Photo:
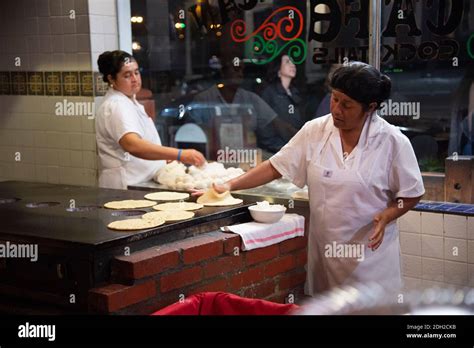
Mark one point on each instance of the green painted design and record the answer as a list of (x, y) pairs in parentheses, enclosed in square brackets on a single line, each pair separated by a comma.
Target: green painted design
[(297, 50), (469, 46)]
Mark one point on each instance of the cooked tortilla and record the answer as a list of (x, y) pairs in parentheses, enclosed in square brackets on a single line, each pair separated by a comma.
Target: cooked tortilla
[(135, 224), (167, 196), (178, 206), (169, 215), (129, 204)]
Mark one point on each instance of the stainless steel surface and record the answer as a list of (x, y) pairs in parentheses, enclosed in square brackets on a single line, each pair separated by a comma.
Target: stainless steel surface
[(375, 31), (281, 189)]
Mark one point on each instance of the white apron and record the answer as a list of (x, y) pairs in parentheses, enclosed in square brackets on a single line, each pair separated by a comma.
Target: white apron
[(342, 210)]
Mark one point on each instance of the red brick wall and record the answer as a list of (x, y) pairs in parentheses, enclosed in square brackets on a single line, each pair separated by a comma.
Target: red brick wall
[(154, 278)]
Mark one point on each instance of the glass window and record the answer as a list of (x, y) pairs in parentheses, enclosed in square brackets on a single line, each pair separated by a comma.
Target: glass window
[(427, 52), (248, 74)]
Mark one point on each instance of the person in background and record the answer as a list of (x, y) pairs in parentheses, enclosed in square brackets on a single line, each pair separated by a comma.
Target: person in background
[(362, 175), (129, 147), (227, 95), (285, 100), (461, 138)]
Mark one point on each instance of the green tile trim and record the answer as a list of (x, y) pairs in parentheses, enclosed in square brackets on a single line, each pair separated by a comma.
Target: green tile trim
[(70, 82), (5, 85), (19, 85), (87, 83), (35, 83), (52, 83)]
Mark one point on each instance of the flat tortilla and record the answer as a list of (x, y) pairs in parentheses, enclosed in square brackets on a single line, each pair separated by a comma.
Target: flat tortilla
[(213, 199), (129, 204), (178, 206), (169, 215), (135, 224), (167, 196)]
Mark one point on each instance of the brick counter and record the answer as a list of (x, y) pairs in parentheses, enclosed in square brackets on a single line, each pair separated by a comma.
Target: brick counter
[(154, 278)]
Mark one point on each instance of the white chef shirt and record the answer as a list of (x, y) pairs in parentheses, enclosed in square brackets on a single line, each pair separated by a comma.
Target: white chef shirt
[(117, 116), (388, 163)]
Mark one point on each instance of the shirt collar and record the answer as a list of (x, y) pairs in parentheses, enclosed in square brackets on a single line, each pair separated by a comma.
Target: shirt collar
[(111, 91), (371, 129)]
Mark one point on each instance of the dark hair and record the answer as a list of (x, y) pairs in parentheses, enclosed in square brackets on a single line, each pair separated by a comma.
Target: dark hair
[(274, 67), (110, 63), (362, 82)]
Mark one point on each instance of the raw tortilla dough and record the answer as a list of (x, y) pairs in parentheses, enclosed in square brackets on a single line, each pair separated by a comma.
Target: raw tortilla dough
[(167, 196), (169, 215), (213, 199), (129, 204), (178, 206), (135, 224), (301, 194)]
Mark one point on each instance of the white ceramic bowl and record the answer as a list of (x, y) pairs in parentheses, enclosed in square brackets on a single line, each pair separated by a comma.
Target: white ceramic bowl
[(266, 216)]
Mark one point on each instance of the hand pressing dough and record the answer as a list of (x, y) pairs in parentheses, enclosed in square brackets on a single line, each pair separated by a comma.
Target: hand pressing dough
[(129, 204), (213, 199), (178, 206), (135, 224), (169, 215), (167, 196)]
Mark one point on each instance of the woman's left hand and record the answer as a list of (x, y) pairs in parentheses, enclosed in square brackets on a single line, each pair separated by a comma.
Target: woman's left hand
[(379, 230)]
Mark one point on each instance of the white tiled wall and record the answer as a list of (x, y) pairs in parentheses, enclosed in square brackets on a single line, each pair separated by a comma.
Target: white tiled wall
[(437, 249), (53, 149), (103, 28), (51, 35)]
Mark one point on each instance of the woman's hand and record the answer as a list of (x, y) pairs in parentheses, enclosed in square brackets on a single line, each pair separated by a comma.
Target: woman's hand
[(379, 230), (193, 157), (221, 188)]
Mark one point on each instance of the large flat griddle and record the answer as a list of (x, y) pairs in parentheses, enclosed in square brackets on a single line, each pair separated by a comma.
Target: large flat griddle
[(85, 222), (74, 244)]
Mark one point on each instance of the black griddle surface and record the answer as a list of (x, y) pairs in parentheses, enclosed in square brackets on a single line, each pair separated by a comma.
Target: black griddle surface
[(86, 228)]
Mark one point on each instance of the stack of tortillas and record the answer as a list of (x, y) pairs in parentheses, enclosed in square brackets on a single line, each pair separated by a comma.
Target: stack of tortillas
[(167, 196), (129, 204), (213, 199)]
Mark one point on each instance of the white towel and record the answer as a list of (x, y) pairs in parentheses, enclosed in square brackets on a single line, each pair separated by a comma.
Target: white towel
[(257, 235)]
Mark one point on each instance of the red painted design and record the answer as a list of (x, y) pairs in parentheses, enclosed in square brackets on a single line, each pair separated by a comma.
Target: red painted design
[(285, 26)]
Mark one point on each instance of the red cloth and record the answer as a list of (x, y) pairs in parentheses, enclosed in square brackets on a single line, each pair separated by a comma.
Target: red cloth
[(220, 303)]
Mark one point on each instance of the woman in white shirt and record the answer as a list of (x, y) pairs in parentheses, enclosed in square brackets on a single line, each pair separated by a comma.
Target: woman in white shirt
[(362, 175), (129, 146)]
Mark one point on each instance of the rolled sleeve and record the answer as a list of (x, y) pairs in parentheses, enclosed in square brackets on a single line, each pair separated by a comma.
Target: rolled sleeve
[(405, 178), (123, 120)]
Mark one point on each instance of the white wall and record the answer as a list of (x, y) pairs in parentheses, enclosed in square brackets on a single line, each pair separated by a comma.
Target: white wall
[(437, 249), (54, 149)]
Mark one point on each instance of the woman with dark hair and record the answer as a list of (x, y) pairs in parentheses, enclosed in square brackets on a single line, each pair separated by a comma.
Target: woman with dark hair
[(129, 146), (285, 99), (362, 175)]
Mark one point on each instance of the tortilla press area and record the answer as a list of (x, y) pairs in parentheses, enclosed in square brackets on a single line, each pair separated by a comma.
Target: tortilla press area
[(84, 267)]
